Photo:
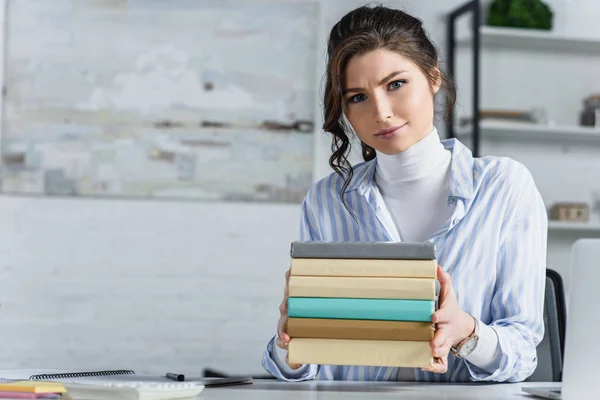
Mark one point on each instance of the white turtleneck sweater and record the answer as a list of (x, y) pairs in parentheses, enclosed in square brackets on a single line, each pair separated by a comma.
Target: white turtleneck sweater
[(415, 186)]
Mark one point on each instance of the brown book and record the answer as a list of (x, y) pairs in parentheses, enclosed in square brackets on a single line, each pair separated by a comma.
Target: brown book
[(364, 267), (374, 353), (321, 328), (362, 287)]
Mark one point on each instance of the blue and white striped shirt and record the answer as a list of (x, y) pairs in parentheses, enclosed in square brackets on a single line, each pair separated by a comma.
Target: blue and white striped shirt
[(494, 248)]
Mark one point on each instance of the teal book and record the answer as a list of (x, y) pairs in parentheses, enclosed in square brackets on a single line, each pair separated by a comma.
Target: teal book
[(366, 309)]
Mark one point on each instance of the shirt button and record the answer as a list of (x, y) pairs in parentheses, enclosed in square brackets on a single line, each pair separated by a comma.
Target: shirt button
[(451, 201), (455, 221)]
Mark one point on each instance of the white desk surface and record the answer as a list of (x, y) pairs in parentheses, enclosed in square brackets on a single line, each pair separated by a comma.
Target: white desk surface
[(330, 390)]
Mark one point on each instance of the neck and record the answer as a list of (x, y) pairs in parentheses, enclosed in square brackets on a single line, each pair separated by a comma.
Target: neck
[(415, 163)]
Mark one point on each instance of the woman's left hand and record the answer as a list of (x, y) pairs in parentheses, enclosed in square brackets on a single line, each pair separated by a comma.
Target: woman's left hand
[(453, 325)]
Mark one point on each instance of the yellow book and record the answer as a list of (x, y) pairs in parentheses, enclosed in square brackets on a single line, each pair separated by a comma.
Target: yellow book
[(364, 267), (375, 353), (33, 387), (362, 287)]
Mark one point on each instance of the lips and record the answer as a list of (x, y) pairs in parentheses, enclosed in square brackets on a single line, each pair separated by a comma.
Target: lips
[(388, 132)]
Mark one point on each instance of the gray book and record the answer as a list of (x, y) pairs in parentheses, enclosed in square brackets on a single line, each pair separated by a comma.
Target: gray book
[(365, 250)]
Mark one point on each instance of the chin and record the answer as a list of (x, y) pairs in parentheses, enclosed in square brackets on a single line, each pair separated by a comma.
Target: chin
[(394, 148)]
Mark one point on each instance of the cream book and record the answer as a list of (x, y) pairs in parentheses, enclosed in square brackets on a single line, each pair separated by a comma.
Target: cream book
[(375, 353), (362, 287), (364, 267)]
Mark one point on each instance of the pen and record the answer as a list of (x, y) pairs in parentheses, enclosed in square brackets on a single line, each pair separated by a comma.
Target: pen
[(175, 377)]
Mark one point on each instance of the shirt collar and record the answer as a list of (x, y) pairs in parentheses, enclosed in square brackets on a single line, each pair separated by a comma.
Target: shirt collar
[(461, 173)]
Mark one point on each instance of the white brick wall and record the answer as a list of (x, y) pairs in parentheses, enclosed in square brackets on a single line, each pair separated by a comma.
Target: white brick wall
[(140, 284)]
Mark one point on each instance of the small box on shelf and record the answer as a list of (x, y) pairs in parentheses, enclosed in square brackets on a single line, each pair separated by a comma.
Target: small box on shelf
[(573, 212)]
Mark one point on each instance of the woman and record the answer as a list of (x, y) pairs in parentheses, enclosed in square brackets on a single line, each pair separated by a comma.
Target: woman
[(485, 215)]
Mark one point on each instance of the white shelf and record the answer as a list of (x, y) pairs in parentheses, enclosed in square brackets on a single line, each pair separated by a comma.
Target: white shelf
[(531, 39), (574, 227), (526, 131)]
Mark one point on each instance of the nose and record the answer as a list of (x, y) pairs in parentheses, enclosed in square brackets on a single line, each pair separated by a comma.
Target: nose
[(382, 108)]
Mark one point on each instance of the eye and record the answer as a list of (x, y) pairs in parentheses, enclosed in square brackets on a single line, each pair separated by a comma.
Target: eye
[(357, 98), (396, 84)]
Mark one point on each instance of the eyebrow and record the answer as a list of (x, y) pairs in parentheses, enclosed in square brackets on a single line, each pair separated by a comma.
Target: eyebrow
[(381, 82)]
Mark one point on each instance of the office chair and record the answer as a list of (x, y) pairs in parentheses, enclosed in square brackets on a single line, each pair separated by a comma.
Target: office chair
[(551, 348)]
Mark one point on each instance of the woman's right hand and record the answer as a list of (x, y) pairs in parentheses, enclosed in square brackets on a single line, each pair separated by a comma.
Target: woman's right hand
[(282, 337)]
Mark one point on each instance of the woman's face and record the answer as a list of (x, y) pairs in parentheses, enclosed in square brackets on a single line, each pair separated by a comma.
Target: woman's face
[(388, 100)]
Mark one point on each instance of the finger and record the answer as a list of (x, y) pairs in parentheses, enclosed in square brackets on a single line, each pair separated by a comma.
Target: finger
[(440, 366), (439, 339), (282, 331), (441, 351), (443, 276), (284, 336), (283, 307), (445, 283), (279, 342), (287, 283), (441, 316)]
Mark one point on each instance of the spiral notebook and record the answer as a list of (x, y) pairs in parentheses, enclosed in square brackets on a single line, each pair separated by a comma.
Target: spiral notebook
[(52, 375)]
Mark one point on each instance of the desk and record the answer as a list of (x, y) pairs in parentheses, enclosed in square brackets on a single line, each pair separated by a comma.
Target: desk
[(334, 390)]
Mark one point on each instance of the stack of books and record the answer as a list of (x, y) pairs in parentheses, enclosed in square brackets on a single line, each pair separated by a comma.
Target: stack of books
[(362, 303)]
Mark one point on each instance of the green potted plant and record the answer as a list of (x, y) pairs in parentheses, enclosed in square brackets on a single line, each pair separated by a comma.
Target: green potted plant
[(532, 14)]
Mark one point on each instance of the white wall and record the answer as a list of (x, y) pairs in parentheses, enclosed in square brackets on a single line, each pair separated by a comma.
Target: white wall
[(158, 286), (140, 285)]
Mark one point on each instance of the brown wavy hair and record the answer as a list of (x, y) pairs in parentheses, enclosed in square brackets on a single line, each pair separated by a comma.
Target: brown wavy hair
[(360, 31)]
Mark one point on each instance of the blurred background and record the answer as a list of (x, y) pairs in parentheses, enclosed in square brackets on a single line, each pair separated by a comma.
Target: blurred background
[(155, 154)]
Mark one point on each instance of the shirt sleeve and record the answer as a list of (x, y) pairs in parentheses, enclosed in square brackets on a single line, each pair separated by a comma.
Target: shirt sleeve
[(273, 363), (273, 360), (518, 301), (279, 355), (487, 355)]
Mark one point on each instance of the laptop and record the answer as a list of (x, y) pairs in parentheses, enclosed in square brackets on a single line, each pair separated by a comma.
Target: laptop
[(581, 370)]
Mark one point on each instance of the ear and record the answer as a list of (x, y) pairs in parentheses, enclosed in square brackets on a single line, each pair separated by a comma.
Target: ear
[(437, 80)]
